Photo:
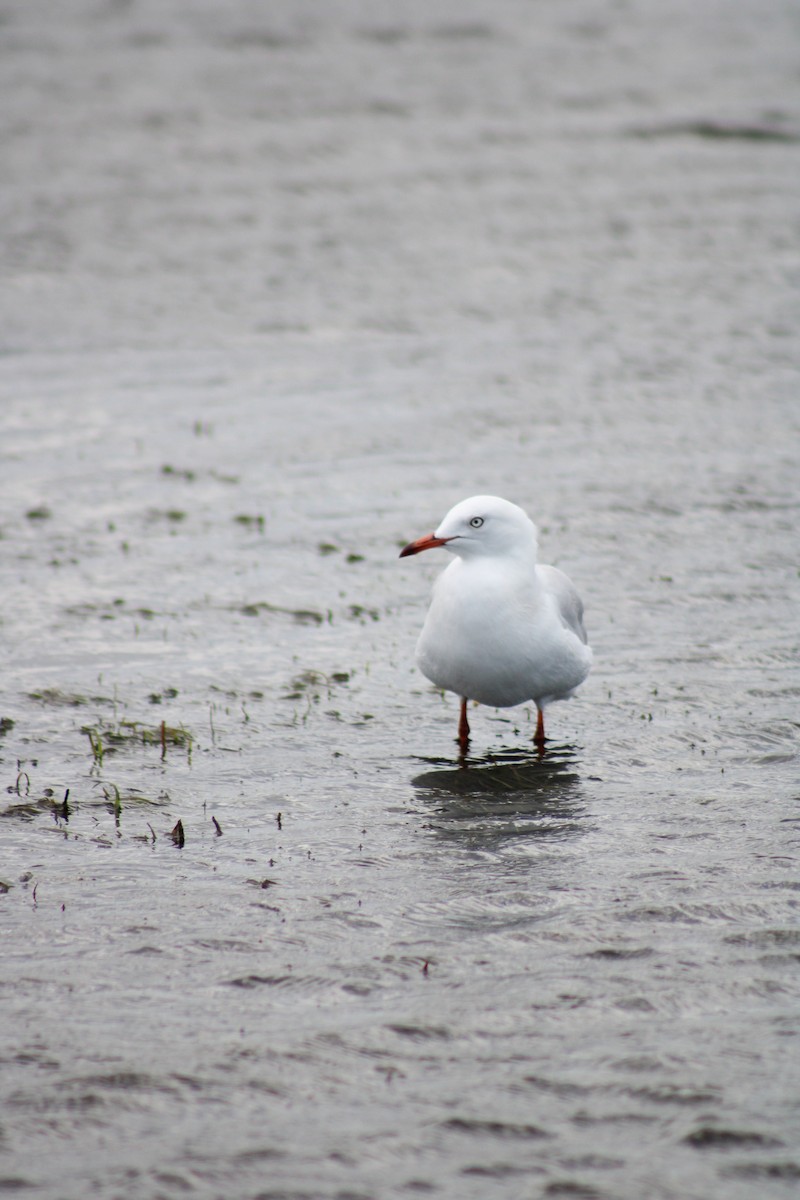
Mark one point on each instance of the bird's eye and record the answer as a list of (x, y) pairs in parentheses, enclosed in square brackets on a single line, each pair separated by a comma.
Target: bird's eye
[(476, 522)]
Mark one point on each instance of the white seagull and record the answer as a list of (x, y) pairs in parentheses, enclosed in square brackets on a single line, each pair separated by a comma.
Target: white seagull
[(501, 629)]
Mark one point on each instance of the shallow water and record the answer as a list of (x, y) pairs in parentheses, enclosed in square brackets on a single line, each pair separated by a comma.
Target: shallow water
[(281, 288)]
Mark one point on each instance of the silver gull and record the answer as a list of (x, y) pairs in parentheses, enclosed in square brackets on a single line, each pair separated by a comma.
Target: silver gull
[(501, 629)]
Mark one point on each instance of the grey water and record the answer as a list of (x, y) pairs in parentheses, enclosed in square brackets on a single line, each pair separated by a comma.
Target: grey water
[(281, 283)]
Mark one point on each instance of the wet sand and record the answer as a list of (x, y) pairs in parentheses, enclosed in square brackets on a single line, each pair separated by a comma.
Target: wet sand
[(281, 284)]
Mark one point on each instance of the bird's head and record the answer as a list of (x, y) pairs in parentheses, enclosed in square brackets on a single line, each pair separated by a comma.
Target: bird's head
[(483, 526)]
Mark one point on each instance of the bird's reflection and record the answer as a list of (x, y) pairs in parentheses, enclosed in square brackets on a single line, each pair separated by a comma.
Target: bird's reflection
[(505, 795)]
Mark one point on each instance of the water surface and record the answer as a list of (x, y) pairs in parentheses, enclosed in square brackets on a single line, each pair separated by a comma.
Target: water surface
[(280, 288)]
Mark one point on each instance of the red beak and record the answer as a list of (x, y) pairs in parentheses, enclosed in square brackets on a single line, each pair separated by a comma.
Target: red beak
[(429, 542)]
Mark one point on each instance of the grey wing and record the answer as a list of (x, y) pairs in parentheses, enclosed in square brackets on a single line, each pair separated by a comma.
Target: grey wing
[(568, 602)]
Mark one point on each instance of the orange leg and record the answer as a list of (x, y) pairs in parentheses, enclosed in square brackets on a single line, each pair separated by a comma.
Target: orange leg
[(463, 728), (538, 737)]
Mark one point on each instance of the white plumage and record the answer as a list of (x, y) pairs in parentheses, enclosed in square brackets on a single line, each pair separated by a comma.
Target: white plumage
[(501, 628)]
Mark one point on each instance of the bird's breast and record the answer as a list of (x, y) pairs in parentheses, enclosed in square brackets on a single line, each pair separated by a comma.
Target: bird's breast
[(482, 635)]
